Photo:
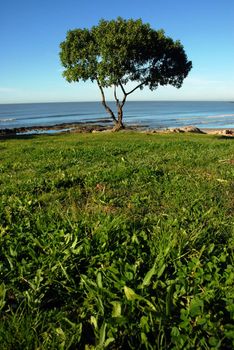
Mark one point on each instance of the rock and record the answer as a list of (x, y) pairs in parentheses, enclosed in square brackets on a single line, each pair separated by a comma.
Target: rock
[(102, 130), (226, 132), (177, 130), (149, 131), (107, 130), (7, 132), (192, 129)]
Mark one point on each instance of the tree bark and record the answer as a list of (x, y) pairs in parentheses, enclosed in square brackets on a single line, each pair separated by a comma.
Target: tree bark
[(108, 109), (119, 124)]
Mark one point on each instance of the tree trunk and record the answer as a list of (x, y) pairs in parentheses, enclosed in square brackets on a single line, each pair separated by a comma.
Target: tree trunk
[(107, 108), (119, 125)]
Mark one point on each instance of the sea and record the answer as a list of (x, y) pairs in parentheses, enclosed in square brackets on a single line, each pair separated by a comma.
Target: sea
[(148, 114)]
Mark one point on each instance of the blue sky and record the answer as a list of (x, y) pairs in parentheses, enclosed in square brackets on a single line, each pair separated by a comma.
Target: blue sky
[(31, 31)]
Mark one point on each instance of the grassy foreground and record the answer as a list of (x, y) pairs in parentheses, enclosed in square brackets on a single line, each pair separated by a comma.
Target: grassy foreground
[(121, 241)]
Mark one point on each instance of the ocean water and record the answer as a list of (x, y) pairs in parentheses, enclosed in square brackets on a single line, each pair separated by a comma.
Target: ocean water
[(151, 114)]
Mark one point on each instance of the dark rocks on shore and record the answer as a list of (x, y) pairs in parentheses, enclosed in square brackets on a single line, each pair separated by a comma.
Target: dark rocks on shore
[(177, 130), (65, 127), (96, 127), (226, 132), (192, 129), (7, 132)]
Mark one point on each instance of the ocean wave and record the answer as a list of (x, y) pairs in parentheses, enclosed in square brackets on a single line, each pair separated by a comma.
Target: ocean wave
[(56, 116), (220, 116), (216, 116), (7, 120)]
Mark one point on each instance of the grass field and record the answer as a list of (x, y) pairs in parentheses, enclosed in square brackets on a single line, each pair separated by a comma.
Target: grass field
[(116, 241)]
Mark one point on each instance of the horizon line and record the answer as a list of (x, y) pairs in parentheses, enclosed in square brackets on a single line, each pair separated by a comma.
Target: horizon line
[(99, 101)]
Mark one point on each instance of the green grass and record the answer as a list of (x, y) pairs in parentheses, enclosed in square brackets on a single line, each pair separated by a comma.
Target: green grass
[(121, 241)]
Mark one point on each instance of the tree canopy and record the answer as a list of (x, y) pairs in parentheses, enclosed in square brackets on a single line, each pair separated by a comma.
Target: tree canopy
[(120, 51)]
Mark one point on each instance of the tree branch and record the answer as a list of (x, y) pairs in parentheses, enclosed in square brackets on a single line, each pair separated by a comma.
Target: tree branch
[(115, 96), (123, 101), (122, 88), (104, 102), (124, 93), (138, 86)]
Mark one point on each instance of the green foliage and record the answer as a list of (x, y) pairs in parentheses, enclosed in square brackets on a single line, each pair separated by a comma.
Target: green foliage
[(116, 242), (119, 51)]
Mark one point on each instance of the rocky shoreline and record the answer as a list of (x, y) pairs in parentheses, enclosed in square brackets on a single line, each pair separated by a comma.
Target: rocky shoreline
[(57, 128), (96, 127), (195, 130)]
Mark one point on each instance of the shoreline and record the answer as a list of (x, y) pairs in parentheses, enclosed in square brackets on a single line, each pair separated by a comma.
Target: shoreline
[(106, 126)]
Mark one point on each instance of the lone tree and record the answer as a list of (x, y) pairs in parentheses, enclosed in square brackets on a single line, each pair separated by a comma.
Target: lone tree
[(120, 51)]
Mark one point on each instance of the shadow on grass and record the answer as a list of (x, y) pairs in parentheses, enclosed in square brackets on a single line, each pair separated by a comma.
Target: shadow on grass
[(17, 137), (225, 137), (27, 136)]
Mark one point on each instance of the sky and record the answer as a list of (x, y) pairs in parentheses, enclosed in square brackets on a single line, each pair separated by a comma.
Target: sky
[(31, 31)]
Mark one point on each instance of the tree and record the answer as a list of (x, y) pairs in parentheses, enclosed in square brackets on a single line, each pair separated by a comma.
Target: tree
[(120, 51)]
